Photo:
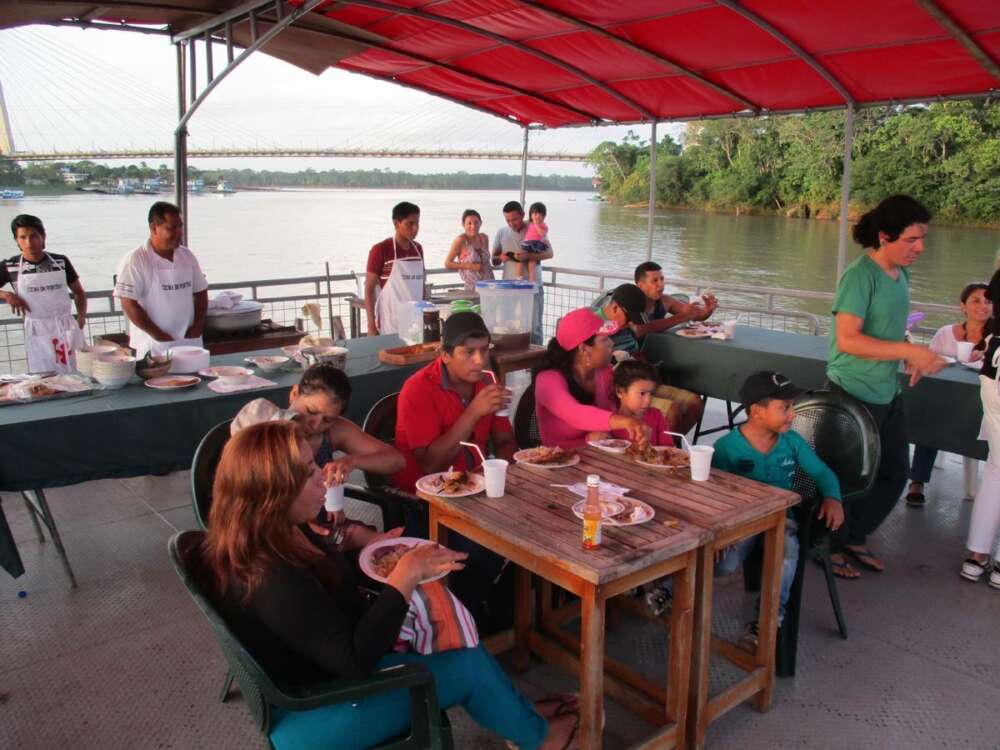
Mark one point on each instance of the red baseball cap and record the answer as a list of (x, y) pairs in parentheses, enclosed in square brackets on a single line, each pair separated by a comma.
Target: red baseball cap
[(579, 325)]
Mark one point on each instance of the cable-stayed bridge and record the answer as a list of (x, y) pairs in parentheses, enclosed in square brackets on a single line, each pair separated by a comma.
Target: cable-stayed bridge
[(344, 153)]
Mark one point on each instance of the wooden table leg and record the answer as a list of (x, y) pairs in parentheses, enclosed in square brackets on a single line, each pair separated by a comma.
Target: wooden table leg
[(522, 618), (681, 617), (770, 596), (697, 719), (591, 669), (435, 531)]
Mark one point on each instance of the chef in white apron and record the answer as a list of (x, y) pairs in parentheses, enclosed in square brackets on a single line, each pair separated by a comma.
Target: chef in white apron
[(405, 284), (162, 289), (51, 331)]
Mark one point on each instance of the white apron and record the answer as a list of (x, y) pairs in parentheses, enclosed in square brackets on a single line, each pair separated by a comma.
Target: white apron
[(405, 284), (169, 302), (51, 333)]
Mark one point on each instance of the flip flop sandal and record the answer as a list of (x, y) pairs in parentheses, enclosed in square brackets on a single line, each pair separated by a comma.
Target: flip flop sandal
[(973, 570), (566, 703), (566, 746), (916, 499), (860, 557), (841, 570)]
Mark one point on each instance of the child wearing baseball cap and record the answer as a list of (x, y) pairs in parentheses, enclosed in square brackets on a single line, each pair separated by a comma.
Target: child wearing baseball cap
[(767, 449)]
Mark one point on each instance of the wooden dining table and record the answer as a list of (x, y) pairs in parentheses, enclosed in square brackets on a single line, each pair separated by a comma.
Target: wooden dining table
[(534, 527)]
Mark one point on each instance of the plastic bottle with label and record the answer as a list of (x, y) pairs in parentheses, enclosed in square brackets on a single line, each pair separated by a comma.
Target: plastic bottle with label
[(592, 513)]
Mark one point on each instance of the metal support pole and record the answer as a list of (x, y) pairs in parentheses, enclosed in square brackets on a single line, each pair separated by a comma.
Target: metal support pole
[(845, 192), (652, 191), (524, 167), (180, 145)]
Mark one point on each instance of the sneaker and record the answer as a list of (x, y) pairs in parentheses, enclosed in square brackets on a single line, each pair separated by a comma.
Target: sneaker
[(659, 599), (750, 637), (973, 570), (995, 577)]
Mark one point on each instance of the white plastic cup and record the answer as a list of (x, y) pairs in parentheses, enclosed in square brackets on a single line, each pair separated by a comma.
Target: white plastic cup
[(963, 350), (701, 462), (729, 327), (334, 498), (495, 472)]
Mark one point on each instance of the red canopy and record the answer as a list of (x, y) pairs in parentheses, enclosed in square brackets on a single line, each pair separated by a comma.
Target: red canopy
[(577, 62)]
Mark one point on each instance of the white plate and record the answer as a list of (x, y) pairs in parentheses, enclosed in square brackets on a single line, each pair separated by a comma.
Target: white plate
[(608, 508), (609, 445), (977, 365), (694, 333), (524, 457), (645, 513), (365, 558), (424, 484), (213, 372), (949, 360), (172, 382), (661, 449)]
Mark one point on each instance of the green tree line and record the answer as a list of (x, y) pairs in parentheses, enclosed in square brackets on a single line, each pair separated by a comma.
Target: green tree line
[(50, 174), (945, 154)]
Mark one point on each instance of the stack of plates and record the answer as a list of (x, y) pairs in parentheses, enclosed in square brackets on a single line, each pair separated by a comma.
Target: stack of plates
[(113, 370)]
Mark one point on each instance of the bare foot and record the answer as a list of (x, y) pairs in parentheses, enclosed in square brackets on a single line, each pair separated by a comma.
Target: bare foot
[(842, 568), (562, 733), (864, 556), (558, 704)]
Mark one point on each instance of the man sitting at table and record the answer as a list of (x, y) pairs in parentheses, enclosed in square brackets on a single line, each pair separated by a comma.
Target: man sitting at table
[(442, 405), (661, 312)]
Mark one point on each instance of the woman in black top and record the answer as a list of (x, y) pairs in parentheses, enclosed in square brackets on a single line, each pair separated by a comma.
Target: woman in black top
[(298, 610), (984, 523)]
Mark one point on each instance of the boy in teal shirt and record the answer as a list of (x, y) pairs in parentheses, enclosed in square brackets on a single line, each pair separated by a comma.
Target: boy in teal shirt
[(767, 449)]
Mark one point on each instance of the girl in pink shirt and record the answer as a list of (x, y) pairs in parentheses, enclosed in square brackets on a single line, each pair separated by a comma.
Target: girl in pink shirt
[(635, 382), (535, 240)]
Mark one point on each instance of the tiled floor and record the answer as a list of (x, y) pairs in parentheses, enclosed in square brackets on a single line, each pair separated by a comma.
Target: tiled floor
[(126, 661)]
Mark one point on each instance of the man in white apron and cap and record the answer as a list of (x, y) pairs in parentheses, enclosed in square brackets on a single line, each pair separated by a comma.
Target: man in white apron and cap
[(395, 272), (43, 283), (161, 287)]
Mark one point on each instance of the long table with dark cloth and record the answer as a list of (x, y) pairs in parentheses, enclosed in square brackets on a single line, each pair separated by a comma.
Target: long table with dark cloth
[(943, 411), (137, 430)]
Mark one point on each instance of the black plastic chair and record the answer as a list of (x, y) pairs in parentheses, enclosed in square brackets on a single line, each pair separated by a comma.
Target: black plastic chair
[(429, 726), (845, 436), (526, 433), (380, 422), (206, 459)]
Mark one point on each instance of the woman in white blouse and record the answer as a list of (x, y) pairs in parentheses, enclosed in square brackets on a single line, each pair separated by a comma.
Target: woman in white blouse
[(977, 310)]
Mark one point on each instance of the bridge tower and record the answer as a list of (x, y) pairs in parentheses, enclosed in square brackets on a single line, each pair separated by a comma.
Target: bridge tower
[(6, 135)]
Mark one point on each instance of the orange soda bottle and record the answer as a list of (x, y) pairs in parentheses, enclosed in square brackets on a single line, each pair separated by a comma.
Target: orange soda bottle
[(592, 513)]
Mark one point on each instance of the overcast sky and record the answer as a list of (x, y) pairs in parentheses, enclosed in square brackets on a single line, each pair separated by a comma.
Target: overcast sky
[(71, 89)]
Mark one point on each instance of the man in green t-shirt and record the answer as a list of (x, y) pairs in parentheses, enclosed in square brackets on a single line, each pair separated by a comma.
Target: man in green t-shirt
[(866, 347)]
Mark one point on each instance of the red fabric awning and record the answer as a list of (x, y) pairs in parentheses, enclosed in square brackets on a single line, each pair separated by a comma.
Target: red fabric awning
[(577, 62)]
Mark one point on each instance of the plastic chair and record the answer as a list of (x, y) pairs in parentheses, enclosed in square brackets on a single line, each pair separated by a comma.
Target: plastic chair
[(526, 433), (429, 726), (845, 436), (380, 422), (206, 458)]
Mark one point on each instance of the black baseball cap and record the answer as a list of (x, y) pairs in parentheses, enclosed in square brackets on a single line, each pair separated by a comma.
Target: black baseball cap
[(461, 326), (767, 384), (632, 300)]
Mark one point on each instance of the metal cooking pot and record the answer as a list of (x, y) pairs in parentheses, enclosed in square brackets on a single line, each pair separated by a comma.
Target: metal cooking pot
[(240, 317)]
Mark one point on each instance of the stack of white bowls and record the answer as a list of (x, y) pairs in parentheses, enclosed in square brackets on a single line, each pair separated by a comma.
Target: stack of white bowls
[(86, 355), (185, 359), (113, 370)]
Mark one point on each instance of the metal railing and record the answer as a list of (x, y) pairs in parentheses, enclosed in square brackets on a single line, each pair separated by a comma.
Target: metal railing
[(565, 289)]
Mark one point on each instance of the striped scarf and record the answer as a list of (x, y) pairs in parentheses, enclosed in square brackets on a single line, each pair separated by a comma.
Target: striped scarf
[(436, 621)]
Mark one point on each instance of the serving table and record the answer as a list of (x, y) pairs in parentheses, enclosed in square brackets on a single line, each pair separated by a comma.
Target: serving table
[(534, 527), (135, 431)]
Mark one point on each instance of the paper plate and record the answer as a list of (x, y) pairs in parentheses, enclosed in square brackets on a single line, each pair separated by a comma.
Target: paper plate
[(664, 467), (608, 508), (426, 484), (610, 445), (366, 560), (524, 457), (172, 382), (640, 513)]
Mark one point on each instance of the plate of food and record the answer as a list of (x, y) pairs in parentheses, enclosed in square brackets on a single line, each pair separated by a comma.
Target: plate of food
[(545, 457), (379, 559), (699, 330), (659, 456), (611, 506), (610, 445), (633, 513), (173, 382), (452, 484)]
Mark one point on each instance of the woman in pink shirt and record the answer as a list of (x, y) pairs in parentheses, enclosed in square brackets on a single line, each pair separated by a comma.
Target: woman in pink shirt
[(573, 386)]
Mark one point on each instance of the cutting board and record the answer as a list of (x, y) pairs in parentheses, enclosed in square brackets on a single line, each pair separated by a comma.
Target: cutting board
[(409, 355)]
